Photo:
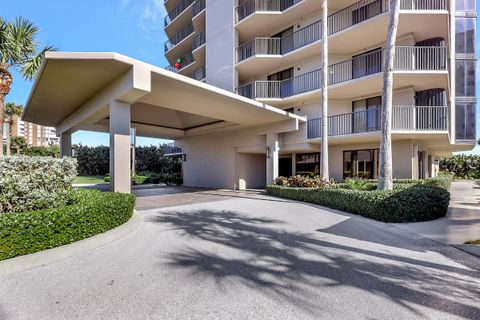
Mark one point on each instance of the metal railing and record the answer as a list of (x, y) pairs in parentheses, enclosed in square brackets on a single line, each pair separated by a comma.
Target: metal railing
[(199, 74), (404, 118), (198, 6), (406, 59), (248, 7), (256, 46), (177, 38), (177, 11), (198, 40), (187, 60), (302, 37), (424, 4)]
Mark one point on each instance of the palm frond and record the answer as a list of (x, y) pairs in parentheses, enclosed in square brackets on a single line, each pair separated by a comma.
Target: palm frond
[(31, 66)]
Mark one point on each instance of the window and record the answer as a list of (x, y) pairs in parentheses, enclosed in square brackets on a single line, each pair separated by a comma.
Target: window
[(360, 163), (465, 5), (308, 164), (465, 78), (367, 63), (366, 114), (465, 121), (465, 35)]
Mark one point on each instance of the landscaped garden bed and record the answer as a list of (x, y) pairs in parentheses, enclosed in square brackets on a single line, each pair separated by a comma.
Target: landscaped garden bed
[(410, 201), (39, 209)]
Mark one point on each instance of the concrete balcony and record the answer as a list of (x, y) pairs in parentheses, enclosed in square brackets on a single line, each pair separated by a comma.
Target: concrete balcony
[(421, 67), (198, 19), (366, 22), (199, 47), (405, 120), (181, 43), (187, 66), (178, 17)]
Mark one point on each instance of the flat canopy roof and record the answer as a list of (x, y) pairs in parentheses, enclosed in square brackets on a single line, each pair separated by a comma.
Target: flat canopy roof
[(68, 82)]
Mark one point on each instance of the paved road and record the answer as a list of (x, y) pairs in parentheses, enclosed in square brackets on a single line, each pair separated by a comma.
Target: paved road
[(245, 256)]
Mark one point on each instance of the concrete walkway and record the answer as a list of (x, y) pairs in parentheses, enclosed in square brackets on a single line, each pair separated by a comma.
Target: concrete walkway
[(233, 255), (462, 222)]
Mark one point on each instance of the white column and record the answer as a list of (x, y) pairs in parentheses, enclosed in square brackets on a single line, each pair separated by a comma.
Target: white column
[(65, 145), (273, 149), (120, 147), (294, 164)]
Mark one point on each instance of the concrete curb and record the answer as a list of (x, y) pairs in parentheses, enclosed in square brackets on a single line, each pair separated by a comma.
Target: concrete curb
[(472, 249), (41, 258)]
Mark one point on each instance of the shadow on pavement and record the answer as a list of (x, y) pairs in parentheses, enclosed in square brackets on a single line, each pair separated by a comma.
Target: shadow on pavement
[(295, 266)]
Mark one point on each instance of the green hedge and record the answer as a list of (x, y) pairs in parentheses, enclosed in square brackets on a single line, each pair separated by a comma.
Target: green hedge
[(463, 166), (35, 183), (92, 212), (407, 203)]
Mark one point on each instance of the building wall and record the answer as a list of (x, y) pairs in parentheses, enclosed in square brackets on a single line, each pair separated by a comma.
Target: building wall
[(220, 40)]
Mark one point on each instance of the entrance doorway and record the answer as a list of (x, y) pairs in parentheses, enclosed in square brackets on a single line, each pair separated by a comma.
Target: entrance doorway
[(285, 167)]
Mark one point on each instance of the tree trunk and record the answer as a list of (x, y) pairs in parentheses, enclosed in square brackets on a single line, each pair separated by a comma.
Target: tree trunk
[(385, 177), (324, 79), (2, 120), (8, 136)]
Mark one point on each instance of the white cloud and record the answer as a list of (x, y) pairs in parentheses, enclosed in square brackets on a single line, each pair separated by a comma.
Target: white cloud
[(150, 13)]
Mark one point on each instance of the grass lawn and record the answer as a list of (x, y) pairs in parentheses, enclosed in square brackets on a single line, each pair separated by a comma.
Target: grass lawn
[(89, 180), (473, 242)]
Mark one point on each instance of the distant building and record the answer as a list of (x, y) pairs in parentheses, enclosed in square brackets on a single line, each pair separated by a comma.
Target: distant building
[(34, 134)]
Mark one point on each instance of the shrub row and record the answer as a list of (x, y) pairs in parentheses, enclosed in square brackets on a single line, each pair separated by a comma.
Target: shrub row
[(94, 161), (463, 166), (35, 183), (92, 212), (409, 203)]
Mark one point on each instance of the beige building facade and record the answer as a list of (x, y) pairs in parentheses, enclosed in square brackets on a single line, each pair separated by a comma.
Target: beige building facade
[(241, 95), (34, 134), (270, 51)]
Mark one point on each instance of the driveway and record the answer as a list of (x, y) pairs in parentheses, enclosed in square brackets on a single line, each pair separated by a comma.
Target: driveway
[(234, 255)]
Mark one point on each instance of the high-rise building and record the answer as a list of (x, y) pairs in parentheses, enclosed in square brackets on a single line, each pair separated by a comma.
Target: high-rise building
[(34, 134), (270, 51)]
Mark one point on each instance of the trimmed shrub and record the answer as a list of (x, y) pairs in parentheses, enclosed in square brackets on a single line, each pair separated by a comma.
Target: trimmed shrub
[(408, 203), (140, 179), (35, 183), (92, 212)]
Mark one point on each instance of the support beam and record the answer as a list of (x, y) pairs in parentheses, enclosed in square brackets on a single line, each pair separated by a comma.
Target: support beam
[(65, 145), (120, 146), (273, 150)]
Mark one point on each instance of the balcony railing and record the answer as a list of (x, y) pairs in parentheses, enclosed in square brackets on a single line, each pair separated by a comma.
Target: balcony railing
[(187, 60), (284, 45), (199, 40), (177, 11), (404, 118), (338, 21), (199, 74), (406, 59), (248, 7), (198, 6), (177, 38)]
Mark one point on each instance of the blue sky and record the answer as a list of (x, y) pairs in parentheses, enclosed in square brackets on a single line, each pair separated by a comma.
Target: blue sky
[(130, 27)]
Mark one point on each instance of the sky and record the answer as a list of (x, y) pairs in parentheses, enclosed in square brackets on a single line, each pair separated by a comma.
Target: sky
[(131, 27)]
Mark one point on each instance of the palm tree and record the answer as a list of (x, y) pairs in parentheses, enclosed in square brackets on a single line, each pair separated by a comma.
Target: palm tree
[(12, 110), (324, 151), (18, 50), (385, 177)]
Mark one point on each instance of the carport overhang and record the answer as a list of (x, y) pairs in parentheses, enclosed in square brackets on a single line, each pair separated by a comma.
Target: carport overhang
[(109, 92)]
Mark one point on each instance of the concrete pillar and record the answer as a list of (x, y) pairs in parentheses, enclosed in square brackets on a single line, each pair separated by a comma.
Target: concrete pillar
[(273, 149), (294, 164), (65, 145), (120, 147)]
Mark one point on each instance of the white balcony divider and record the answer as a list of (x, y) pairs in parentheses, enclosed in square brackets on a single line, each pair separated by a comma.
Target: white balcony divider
[(405, 118)]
